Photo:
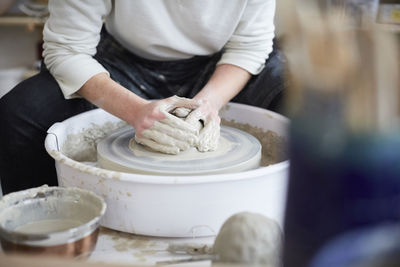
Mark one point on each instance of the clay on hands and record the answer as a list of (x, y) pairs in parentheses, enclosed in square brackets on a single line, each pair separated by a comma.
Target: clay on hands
[(172, 134), (209, 134), (182, 128)]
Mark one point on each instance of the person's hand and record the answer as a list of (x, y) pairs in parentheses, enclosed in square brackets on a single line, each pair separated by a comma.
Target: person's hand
[(209, 134), (158, 129)]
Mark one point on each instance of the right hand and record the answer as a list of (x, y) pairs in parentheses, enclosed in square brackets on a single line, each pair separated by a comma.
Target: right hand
[(158, 129), (208, 139)]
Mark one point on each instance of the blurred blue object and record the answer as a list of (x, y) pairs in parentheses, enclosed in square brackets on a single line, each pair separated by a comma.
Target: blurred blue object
[(368, 247), (339, 180)]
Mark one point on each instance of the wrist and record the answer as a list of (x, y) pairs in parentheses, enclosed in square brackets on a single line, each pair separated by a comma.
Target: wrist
[(209, 98), (134, 106)]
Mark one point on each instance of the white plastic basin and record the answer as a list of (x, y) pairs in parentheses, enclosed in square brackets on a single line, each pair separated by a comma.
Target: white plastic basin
[(176, 206)]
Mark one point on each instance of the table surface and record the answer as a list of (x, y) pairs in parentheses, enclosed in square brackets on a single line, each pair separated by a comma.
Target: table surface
[(123, 248), (115, 247)]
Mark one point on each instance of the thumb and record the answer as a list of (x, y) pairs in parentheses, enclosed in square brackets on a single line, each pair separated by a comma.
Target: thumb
[(177, 102)]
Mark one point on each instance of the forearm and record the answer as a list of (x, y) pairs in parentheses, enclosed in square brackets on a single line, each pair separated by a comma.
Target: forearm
[(225, 83), (105, 93), (71, 35)]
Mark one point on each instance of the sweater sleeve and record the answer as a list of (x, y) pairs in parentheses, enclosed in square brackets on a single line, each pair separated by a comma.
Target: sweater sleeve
[(251, 43), (71, 35)]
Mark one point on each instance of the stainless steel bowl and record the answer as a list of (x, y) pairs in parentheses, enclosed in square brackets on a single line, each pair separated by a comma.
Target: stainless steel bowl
[(50, 220)]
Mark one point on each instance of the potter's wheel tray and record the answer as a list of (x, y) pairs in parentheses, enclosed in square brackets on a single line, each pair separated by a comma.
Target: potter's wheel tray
[(237, 151)]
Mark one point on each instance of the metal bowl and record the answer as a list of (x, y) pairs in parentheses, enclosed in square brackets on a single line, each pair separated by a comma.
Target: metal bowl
[(50, 220)]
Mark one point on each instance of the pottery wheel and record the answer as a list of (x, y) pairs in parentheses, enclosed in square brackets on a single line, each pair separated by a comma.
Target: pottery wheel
[(237, 151)]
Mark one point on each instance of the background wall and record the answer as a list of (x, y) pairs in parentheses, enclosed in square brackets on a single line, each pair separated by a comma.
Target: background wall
[(18, 46)]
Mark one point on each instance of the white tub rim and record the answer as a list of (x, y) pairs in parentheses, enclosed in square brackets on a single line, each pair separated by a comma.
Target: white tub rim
[(52, 148)]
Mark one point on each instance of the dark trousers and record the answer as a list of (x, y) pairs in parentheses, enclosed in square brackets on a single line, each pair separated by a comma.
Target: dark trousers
[(30, 108)]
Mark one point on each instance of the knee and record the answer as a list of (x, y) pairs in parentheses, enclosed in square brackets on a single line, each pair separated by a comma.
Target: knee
[(8, 107), (8, 114), (24, 101)]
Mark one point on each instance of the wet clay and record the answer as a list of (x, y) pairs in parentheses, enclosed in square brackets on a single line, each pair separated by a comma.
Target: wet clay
[(47, 226), (250, 239), (175, 134), (190, 154)]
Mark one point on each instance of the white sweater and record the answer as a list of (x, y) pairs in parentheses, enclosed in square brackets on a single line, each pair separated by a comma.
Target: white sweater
[(155, 29)]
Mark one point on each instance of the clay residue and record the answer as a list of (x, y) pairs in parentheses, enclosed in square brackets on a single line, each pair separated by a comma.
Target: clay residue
[(274, 147), (125, 241), (140, 246), (83, 146)]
